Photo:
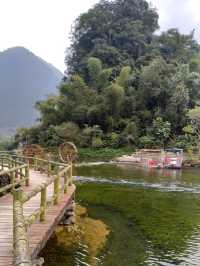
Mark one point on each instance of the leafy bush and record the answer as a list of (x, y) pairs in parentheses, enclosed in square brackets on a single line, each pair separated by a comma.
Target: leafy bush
[(97, 142), (147, 142), (112, 140), (186, 142), (68, 131)]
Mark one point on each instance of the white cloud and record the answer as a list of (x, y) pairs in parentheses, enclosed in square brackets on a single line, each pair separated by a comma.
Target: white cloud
[(43, 26), (182, 14)]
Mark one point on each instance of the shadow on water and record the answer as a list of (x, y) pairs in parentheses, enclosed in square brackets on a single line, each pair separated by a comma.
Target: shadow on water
[(153, 217)]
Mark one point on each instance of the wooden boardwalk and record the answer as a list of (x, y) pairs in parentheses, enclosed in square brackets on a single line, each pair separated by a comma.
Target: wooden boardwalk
[(39, 232)]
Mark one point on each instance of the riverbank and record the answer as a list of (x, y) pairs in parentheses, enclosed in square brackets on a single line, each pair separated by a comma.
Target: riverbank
[(189, 160), (125, 155), (102, 154)]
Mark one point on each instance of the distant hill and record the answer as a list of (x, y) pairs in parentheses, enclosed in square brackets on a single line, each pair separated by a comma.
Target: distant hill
[(24, 79)]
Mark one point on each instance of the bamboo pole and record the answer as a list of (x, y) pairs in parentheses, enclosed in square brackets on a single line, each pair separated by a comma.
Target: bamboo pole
[(49, 168), (21, 174), (70, 175), (56, 189), (35, 164), (43, 204), (20, 241), (16, 172), (12, 180), (65, 182), (27, 174)]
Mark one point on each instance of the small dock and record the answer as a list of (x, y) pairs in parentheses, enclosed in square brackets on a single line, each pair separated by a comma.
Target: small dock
[(33, 204)]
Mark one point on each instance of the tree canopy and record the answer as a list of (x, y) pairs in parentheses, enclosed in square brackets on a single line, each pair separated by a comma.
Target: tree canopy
[(118, 32), (125, 85)]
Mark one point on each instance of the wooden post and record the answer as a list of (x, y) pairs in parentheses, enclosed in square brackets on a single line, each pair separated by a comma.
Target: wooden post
[(20, 241), (65, 182), (35, 164), (49, 169), (27, 174), (21, 174), (18, 195), (12, 180), (43, 204), (41, 166), (70, 174), (9, 165), (16, 172), (56, 189)]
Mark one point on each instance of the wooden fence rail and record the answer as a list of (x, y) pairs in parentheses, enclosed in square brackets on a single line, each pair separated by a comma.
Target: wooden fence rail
[(17, 167), (18, 172)]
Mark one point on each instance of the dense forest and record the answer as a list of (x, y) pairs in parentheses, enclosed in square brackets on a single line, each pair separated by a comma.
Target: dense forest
[(125, 83)]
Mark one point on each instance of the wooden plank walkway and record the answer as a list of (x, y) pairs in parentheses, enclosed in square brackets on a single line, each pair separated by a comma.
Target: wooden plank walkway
[(39, 232)]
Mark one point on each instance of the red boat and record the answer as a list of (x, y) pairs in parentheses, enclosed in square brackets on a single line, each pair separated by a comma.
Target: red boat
[(173, 158), (169, 158)]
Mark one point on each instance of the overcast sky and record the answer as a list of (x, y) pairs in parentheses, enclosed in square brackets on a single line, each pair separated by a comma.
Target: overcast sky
[(43, 26)]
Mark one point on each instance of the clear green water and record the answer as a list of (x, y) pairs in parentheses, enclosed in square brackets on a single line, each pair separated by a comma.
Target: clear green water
[(153, 217)]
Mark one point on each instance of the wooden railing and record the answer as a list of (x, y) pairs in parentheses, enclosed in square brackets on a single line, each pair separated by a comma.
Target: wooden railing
[(59, 174), (17, 171)]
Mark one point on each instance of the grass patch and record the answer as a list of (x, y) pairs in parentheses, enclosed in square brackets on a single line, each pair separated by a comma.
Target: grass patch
[(103, 154)]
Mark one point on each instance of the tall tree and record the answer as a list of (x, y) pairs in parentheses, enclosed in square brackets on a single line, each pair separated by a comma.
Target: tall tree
[(194, 115), (176, 46), (125, 84), (118, 32)]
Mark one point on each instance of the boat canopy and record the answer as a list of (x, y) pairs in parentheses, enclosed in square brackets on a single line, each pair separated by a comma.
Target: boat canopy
[(174, 150)]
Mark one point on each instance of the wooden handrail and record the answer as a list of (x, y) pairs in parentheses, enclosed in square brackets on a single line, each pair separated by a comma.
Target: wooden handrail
[(18, 172), (58, 187), (59, 174), (14, 169)]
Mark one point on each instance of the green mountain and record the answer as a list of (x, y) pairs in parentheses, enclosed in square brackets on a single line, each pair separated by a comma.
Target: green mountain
[(24, 79)]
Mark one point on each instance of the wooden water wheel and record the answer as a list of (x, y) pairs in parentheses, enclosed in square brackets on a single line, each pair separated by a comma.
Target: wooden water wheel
[(33, 150), (68, 152)]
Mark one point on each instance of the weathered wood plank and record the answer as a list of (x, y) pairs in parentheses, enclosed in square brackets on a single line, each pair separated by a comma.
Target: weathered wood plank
[(39, 232)]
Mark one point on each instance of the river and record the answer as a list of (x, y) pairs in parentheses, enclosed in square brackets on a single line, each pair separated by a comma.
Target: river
[(131, 216)]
